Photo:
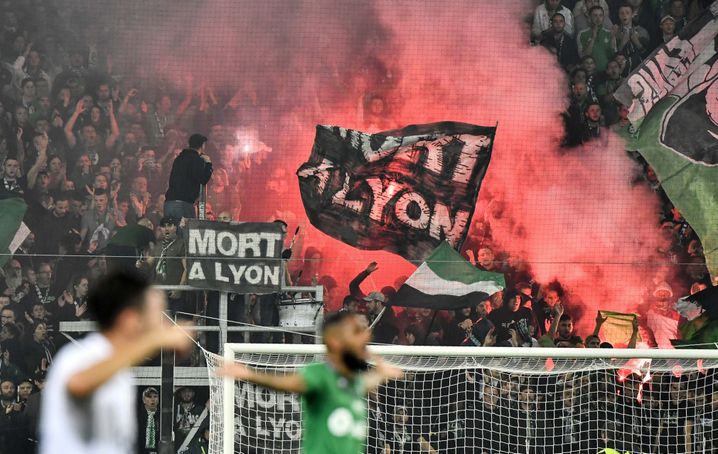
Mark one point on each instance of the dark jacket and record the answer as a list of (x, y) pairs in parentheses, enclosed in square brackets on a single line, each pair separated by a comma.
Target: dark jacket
[(142, 418), (189, 171)]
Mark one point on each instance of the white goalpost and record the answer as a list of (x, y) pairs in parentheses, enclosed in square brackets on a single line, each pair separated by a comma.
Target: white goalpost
[(489, 400)]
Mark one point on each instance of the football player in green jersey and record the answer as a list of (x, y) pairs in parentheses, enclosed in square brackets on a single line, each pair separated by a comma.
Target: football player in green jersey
[(333, 392)]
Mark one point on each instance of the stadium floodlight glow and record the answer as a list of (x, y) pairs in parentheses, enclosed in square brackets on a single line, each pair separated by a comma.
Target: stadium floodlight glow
[(495, 399)]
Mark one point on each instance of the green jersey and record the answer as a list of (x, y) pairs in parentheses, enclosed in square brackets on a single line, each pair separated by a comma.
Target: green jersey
[(602, 51), (333, 411)]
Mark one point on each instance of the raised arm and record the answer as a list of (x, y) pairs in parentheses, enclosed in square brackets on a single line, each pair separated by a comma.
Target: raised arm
[(187, 99), (558, 312), (70, 125), (293, 383), (600, 320), (114, 128), (39, 163), (354, 285), (381, 374), (634, 334), (126, 100), (83, 384)]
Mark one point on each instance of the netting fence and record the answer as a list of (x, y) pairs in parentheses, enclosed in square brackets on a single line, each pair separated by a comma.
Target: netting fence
[(500, 402)]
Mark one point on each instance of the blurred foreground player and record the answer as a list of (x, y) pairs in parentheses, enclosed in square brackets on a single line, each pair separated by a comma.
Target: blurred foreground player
[(89, 399), (333, 392)]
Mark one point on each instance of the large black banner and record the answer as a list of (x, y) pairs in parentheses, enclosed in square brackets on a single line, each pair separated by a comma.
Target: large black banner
[(238, 258), (403, 191)]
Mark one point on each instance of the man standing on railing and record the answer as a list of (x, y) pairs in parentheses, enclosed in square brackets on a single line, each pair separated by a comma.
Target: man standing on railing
[(191, 169), (333, 392)]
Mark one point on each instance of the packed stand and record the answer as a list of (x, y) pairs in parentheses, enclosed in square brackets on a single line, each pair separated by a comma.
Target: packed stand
[(90, 153)]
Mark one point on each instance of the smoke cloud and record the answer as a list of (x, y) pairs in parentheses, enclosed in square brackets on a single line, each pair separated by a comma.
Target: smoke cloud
[(568, 214)]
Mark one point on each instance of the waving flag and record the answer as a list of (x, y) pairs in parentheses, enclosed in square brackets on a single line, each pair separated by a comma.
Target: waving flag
[(12, 211), (446, 280), (673, 99), (404, 191)]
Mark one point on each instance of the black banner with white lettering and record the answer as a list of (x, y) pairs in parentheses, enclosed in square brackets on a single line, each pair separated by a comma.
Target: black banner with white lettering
[(402, 191), (265, 420), (238, 258)]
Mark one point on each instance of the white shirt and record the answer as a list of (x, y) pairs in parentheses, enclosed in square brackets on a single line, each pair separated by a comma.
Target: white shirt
[(104, 423), (663, 328)]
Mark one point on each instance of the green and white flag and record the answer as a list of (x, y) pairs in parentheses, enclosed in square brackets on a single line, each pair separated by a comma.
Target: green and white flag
[(12, 212), (673, 99), (446, 280)]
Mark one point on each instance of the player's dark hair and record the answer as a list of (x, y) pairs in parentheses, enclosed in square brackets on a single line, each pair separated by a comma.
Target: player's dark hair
[(337, 318), (196, 141), (595, 7), (114, 293)]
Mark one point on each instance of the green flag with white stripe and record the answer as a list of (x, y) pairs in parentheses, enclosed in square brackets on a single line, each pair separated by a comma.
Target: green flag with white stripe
[(12, 211), (446, 280)]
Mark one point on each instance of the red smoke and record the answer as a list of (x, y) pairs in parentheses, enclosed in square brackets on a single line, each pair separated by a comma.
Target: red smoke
[(572, 215)]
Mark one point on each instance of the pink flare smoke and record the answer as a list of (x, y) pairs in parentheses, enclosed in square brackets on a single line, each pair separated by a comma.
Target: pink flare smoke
[(569, 214)]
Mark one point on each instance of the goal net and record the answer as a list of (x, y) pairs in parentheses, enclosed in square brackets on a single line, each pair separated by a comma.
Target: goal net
[(490, 400)]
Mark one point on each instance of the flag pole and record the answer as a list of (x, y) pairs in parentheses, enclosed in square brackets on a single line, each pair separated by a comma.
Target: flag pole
[(202, 205), (378, 317)]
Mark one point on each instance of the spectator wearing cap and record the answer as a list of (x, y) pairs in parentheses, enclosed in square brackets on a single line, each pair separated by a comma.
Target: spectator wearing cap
[(149, 422), (543, 15), (668, 30), (385, 329), (191, 169)]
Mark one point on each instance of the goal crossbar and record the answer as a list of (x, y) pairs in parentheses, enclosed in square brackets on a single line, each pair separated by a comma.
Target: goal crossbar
[(485, 352)]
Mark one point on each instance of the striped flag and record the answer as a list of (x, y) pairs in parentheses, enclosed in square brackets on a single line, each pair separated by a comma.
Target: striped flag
[(446, 280), (12, 211)]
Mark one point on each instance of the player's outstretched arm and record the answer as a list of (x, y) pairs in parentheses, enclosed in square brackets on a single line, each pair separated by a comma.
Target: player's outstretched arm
[(84, 383), (381, 374), (293, 383)]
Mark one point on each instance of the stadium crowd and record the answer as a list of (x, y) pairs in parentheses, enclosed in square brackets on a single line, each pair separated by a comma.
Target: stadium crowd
[(89, 149)]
